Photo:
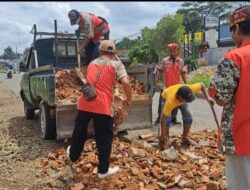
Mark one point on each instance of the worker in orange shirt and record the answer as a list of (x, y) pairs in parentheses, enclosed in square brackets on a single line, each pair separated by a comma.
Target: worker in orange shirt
[(92, 27), (230, 86), (171, 69), (103, 71)]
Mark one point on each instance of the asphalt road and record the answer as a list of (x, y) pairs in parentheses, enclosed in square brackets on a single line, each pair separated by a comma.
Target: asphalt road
[(14, 83), (202, 113)]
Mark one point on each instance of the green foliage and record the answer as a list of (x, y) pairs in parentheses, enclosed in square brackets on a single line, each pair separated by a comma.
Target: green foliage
[(193, 13), (126, 43), (8, 53), (152, 44), (205, 79), (168, 30), (142, 54), (25, 54), (147, 35), (220, 9), (206, 7)]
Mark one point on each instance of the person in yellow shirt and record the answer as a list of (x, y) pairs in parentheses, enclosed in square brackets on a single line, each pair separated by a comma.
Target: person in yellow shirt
[(175, 96)]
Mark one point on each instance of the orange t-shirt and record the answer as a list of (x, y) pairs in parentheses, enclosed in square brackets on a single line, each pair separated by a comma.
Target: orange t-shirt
[(172, 71), (241, 118), (92, 26), (111, 71)]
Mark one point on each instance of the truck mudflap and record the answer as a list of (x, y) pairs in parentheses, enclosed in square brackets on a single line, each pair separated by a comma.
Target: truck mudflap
[(139, 117), (65, 120)]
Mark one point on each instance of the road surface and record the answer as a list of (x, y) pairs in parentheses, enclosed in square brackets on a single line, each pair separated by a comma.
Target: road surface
[(14, 83), (202, 113)]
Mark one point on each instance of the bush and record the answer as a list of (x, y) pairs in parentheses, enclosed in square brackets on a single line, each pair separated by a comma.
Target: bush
[(205, 79)]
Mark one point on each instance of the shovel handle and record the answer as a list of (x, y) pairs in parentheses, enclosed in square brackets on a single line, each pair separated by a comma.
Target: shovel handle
[(117, 58), (78, 54), (215, 117)]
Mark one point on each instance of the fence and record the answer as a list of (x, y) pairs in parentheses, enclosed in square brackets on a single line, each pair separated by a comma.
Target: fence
[(213, 55)]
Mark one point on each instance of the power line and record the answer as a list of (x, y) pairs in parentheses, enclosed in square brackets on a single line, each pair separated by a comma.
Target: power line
[(128, 36)]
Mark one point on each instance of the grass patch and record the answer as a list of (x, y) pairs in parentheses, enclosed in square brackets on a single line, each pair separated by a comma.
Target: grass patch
[(195, 79), (2, 70)]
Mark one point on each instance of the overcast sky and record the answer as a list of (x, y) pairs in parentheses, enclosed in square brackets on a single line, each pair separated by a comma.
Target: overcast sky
[(125, 18)]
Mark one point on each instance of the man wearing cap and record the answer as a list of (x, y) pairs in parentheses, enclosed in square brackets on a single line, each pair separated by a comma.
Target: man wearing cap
[(171, 69), (230, 86), (99, 108), (92, 27), (178, 95)]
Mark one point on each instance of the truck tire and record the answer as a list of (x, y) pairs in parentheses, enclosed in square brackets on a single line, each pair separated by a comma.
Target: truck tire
[(46, 126), (29, 113)]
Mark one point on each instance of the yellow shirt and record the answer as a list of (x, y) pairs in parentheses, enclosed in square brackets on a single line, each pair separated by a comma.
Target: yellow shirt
[(169, 95)]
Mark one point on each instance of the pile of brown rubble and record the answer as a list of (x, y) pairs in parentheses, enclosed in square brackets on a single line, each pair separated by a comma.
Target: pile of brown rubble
[(203, 71), (68, 86), (143, 166)]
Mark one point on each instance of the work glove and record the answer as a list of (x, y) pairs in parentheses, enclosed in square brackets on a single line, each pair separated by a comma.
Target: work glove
[(77, 32)]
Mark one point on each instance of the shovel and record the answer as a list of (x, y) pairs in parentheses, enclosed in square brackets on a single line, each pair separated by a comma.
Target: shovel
[(215, 117), (78, 70), (117, 58)]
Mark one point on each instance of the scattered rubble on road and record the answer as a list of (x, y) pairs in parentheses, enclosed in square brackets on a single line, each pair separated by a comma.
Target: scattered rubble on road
[(142, 166)]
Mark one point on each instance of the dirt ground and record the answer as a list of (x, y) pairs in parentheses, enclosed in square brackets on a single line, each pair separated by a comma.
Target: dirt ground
[(21, 152), (21, 148)]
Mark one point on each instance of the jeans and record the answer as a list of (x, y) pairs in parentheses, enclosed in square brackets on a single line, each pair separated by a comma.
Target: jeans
[(186, 115)]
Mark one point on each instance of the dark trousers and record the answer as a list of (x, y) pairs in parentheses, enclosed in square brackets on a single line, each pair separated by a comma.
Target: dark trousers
[(160, 104), (92, 50), (89, 50), (103, 126)]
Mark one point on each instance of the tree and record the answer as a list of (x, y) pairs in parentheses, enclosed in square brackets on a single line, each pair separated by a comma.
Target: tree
[(126, 43), (168, 30), (147, 35), (143, 54), (8, 53), (25, 54), (152, 45), (194, 13), (213, 8), (144, 51)]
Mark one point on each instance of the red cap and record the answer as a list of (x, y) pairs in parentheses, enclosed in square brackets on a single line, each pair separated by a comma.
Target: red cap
[(172, 46), (239, 15)]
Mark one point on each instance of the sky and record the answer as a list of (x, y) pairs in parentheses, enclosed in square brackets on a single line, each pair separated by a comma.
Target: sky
[(125, 18)]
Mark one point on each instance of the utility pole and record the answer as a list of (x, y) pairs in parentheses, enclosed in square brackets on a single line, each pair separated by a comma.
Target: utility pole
[(16, 53)]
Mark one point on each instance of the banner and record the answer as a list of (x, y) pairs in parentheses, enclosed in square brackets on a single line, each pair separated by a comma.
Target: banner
[(211, 22), (198, 37)]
